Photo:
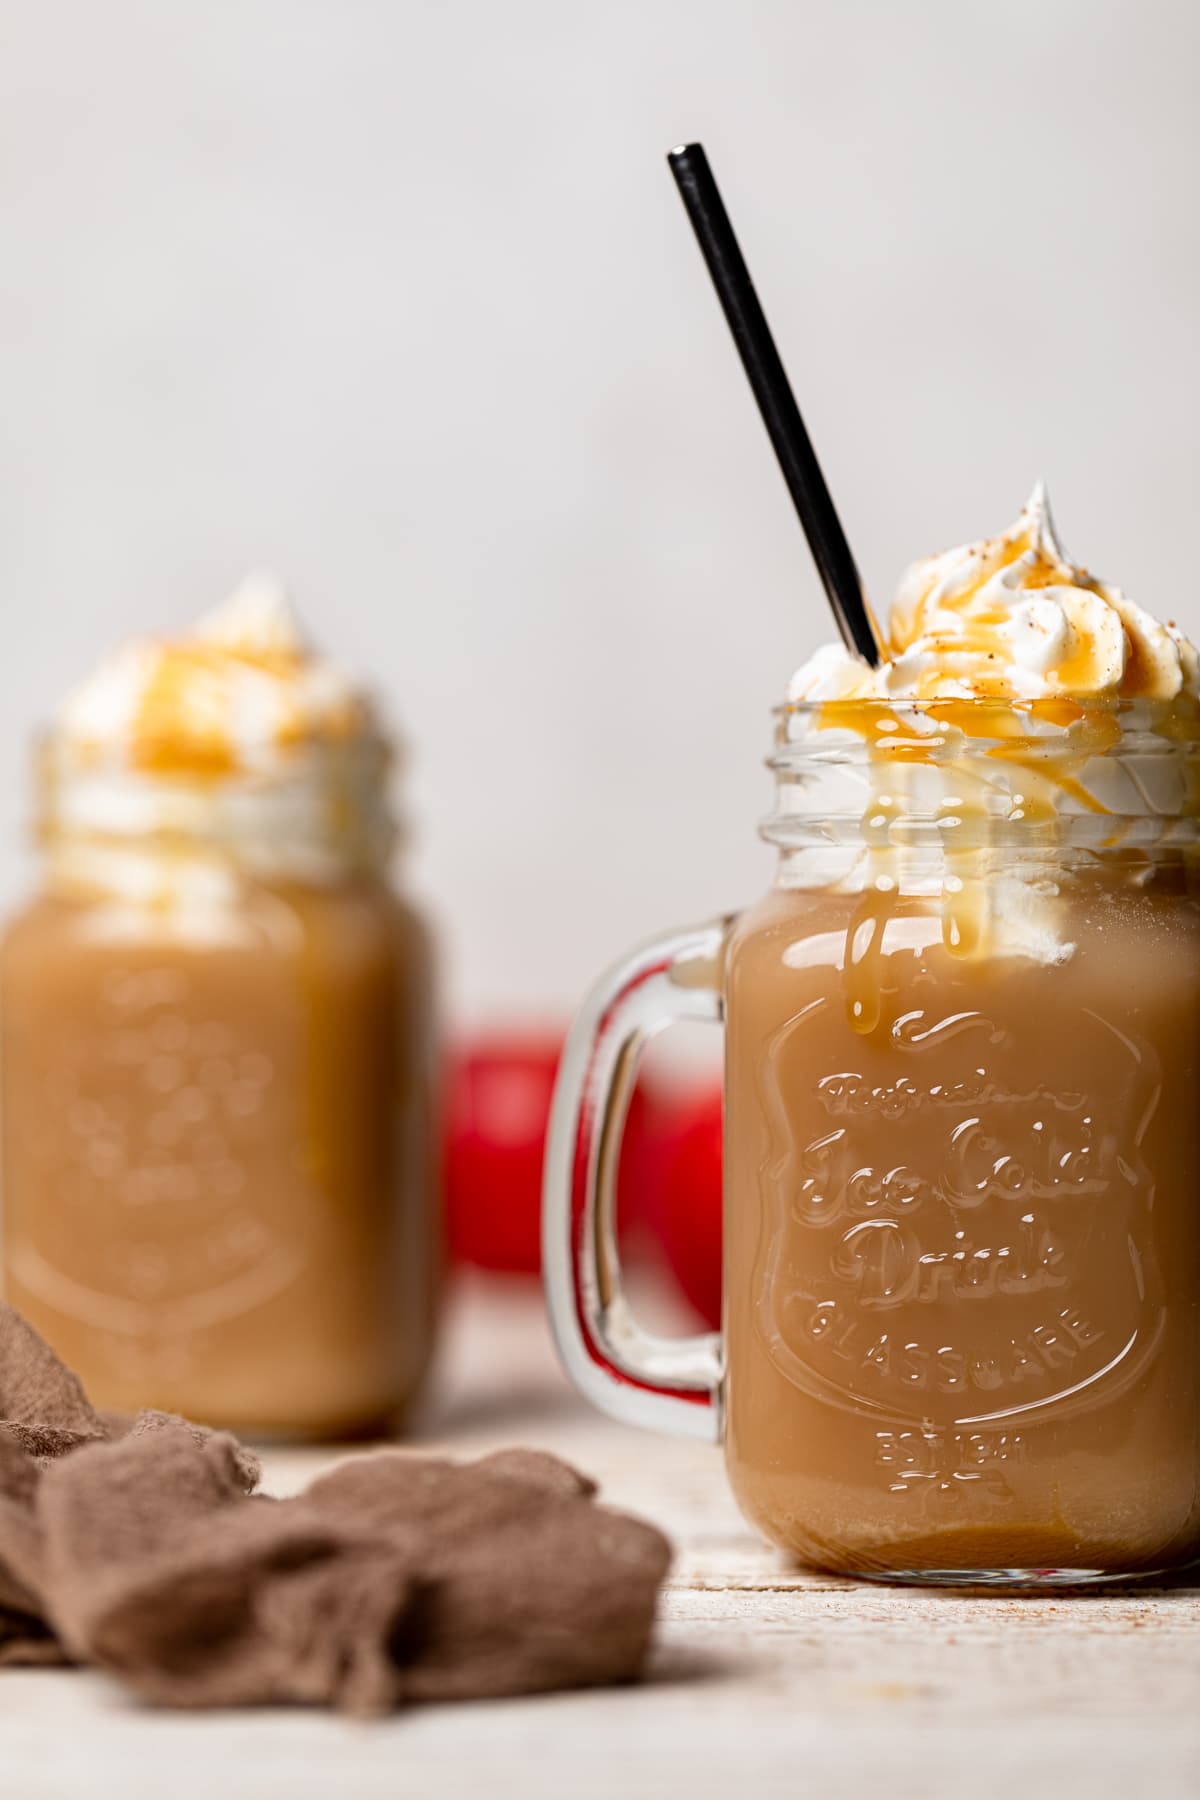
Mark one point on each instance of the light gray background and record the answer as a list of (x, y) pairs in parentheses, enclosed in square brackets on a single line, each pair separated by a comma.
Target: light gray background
[(400, 297)]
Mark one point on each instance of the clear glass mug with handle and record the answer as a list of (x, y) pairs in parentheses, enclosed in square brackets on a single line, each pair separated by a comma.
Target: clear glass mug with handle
[(961, 1315)]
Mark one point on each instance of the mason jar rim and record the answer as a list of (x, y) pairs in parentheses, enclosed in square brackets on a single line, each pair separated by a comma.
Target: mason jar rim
[(1084, 705), (323, 804), (1046, 726)]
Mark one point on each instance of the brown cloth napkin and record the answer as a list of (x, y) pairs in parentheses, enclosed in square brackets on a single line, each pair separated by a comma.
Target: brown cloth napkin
[(143, 1549)]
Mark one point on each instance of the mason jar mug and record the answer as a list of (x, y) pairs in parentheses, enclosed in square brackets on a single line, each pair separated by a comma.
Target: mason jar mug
[(961, 1313)]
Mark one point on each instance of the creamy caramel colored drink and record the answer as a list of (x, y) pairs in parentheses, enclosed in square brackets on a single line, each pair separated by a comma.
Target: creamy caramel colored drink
[(217, 1045), (964, 1245), (962, 1229)]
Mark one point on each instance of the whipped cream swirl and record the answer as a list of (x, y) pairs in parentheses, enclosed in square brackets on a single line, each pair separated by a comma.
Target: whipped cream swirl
[(241, 688), (1011, 618), (236, 742)]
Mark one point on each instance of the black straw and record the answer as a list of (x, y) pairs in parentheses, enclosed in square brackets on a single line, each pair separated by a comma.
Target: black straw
[(776, 401)]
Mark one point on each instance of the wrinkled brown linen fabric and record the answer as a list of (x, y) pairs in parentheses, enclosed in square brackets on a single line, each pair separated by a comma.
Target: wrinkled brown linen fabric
[(144, 1550)]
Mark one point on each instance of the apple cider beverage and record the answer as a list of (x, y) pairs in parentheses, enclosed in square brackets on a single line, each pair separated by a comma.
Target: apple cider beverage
[(962, 1136), (217, 1044)]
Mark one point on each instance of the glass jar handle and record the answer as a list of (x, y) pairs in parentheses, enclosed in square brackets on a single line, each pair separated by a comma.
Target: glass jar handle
[(667, 1384)]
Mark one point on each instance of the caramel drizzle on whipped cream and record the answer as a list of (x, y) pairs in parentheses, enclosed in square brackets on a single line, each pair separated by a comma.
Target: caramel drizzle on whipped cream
[(241, 689), (1010, 618)]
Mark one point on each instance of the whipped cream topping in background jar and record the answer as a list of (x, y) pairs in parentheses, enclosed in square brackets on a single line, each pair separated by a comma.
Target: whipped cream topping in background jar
[(961, 1288), (219, 1195), (238, 738)]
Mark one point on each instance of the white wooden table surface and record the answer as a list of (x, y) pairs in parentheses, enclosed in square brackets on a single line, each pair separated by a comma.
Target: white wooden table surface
[(762, 1682)]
